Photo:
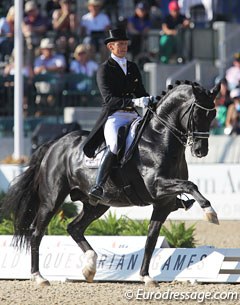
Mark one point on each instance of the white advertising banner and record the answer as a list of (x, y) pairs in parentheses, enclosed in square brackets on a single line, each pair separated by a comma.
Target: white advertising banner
[(61, 258), (119, 259)]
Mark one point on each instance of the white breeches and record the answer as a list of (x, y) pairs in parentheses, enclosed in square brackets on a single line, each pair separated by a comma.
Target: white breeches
[(113, 123)]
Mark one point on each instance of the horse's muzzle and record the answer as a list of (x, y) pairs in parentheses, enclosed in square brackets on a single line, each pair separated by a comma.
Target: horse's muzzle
[(200, 148)]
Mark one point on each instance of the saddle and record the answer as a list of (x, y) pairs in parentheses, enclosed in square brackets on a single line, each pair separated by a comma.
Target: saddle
[(125, 174)]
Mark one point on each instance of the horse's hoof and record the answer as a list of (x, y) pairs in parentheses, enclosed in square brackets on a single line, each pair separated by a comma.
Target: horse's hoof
[(88, 274), (149, 282), (44, 283), (212, 218), (211, 215), (89, 269), (39, 280)]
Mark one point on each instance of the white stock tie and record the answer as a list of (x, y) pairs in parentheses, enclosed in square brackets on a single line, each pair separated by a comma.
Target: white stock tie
[(123, 65)]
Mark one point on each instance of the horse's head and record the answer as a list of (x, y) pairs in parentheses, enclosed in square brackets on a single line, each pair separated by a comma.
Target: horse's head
[(186, 112), (202, 112)]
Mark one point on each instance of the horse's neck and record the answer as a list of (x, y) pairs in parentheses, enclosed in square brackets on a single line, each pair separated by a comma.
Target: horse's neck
[(162, 136), (161, 139), (161, 155)]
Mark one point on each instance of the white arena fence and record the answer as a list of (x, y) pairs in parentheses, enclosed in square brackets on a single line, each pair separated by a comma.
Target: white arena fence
[(119, 259)]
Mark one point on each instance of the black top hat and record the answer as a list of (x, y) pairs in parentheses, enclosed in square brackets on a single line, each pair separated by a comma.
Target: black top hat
[(115, 35)]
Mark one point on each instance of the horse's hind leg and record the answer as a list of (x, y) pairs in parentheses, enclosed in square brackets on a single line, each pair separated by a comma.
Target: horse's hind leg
[(40, 223), (77, 228), (45, 213)]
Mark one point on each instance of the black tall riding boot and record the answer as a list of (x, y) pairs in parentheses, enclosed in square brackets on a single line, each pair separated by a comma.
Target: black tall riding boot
[(107, 161)]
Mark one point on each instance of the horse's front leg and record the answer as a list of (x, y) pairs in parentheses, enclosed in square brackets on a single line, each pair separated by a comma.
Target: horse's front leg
[(177, 187), (159, 215)]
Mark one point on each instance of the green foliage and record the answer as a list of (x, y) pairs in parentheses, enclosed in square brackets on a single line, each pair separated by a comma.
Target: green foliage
[(136, 227), (109, 225), (57, 226), (6, 227), (178, 236), (69, 209), (2, 195)]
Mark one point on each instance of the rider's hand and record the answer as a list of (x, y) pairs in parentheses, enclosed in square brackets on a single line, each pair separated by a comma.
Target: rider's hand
[(153, 100), (142, 102)]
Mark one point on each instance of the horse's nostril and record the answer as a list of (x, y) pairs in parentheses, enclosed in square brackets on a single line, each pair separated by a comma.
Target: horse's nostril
[(201, 152)]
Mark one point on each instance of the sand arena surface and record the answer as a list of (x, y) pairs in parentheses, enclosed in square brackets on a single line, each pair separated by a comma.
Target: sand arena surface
[(226, 235)]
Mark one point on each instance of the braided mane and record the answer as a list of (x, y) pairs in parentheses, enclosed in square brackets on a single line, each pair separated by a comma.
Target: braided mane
[(176, 84)]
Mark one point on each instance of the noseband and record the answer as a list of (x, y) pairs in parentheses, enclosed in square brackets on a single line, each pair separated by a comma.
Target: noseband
[(188, 138), (190, 130)]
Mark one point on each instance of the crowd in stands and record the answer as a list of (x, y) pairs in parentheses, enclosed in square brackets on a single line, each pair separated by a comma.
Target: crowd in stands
[(61, 40), (227, 102), (61, 21), (6, 34)]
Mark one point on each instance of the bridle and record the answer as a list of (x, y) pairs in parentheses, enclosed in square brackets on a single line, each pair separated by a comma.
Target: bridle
[(188, 138)]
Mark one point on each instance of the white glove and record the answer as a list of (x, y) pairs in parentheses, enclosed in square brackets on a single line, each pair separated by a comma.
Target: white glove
[(141, 101), (153, 99)]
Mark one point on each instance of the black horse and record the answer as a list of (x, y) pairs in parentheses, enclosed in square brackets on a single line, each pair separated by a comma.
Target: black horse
[(156, 174)]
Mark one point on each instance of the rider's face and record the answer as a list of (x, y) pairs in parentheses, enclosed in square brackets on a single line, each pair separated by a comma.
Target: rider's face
[(118, 48)]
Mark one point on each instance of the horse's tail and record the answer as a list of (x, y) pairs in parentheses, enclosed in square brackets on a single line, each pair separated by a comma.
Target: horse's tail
[(22, 201)]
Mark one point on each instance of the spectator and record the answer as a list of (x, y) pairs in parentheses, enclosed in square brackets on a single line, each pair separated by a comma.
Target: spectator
[(233, 73), (223, 97), (218, 124), (64, 22), (27, 72), (49, 63), (93, 27), (34, 27), (156, 13), (9, 69), (112, 8), (138, 27), (6, 34), (172, 28), (233, 114), (50, 7), (83, 65)]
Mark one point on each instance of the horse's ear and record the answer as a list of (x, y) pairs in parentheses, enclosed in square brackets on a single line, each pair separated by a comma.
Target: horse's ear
[(215, 90)]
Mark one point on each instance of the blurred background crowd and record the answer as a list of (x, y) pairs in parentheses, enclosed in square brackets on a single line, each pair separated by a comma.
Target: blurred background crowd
[(63, 47)]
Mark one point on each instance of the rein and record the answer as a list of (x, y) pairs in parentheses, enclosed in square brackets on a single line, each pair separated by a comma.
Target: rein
[(186, 139)]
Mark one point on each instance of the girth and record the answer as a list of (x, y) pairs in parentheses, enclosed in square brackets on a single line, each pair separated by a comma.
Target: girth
[(131, 182)]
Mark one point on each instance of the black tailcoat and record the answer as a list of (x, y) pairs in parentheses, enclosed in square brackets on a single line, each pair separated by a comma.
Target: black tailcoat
[(117, 90)]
